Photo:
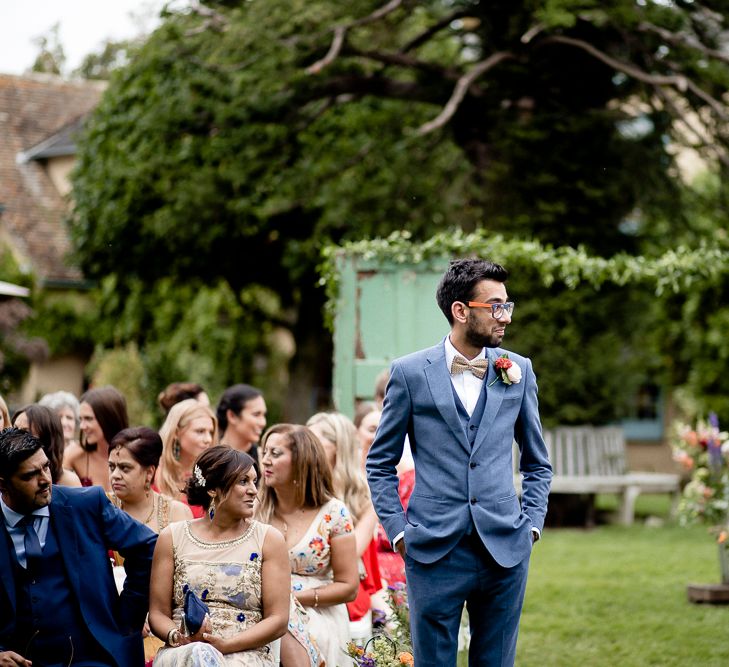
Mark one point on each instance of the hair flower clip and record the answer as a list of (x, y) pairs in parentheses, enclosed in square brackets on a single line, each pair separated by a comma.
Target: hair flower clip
[(197, 474)]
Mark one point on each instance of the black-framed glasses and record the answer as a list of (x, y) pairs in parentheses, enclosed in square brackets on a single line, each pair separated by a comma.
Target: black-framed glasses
[(498, 310)]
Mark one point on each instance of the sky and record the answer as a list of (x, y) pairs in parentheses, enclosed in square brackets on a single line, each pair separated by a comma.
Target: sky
[(84, 26)]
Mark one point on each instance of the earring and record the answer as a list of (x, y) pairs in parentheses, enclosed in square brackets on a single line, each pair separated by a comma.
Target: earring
[(147, 487), (211, 509), (176, 449)]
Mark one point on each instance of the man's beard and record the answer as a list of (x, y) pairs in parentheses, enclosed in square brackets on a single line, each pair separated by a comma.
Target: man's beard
[(478, 339)]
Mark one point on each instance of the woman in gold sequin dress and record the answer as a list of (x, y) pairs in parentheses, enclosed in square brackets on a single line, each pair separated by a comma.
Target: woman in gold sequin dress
[(236, 565)]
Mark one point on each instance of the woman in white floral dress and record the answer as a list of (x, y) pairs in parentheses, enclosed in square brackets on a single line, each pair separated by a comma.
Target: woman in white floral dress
[(236, 565), (297, 497)]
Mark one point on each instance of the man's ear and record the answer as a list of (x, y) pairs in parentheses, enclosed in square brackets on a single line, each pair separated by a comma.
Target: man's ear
[(459, 310), (3, 485)]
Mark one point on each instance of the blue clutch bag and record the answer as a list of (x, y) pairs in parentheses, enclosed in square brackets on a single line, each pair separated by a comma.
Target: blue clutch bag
[(194, 609)]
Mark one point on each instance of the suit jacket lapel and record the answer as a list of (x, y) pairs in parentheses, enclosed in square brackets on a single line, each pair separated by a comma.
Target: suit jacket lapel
[(64, 527), (494, 396), (441, 389)]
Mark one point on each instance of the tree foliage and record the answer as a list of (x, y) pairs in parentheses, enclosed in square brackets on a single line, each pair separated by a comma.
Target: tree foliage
[(242, 137)]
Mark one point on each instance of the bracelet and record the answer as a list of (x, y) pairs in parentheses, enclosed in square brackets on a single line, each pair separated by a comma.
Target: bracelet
[(173, 638), (316, 598)]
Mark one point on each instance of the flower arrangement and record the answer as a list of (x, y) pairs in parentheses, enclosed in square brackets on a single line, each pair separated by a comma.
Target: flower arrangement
[(703, 451), (391, 648)]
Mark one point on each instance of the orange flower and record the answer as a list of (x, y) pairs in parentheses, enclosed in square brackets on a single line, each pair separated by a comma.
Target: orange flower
[(723, 535), (406, 658)]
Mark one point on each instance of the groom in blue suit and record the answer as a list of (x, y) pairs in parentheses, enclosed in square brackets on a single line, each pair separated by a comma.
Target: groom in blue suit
[(59, 605), (466, 536)]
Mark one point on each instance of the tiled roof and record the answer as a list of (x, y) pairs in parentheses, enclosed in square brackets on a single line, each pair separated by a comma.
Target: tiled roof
[(34, 108)]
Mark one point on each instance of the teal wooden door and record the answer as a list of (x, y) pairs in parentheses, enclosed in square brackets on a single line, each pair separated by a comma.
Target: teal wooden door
[(383, 312)]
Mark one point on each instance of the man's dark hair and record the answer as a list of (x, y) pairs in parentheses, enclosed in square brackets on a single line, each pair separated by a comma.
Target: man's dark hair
[(16, 445), (460, 280)]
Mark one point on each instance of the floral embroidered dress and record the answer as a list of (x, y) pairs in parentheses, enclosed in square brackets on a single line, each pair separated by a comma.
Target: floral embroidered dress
[(227, 576), (310, 568)]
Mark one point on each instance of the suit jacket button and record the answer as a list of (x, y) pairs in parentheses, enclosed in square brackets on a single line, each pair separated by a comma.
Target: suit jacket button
[(473, 501), (472, 465)]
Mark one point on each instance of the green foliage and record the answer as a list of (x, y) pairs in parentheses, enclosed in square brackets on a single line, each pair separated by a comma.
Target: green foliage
[(51, 57), (231, 149), (123, 368)]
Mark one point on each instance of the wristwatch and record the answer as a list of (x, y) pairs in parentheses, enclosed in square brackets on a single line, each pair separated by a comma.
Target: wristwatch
[(173, 638)]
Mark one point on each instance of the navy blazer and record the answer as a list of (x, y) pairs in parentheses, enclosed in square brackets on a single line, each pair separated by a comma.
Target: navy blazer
[(456, 484), (87, 526)]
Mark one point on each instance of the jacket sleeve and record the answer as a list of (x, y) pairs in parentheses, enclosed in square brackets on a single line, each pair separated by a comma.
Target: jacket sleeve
[(135, 543), (534, 459), (386, 451)]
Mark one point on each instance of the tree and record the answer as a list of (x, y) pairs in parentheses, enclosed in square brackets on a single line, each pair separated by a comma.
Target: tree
[(239, 139), (51, 57)]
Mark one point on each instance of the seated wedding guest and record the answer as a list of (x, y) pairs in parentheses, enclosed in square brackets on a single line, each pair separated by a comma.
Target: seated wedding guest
[(242, 418), (45, 425), (338, 435), (190, 428), (66, 406), (103, 414), (60, 604), (133, 459), (297, 497), (234, 564), (179, 391), (4, 414)]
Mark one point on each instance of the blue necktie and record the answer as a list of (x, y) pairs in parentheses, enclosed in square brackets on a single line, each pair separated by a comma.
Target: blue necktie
[(32, 543)]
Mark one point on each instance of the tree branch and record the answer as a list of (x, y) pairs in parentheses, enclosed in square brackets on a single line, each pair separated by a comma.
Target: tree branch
[(683, 39), (460, 90), (340, 32), (680, 82)]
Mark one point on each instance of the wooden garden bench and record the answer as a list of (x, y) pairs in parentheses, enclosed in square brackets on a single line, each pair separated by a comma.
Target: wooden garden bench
[(588, 460)]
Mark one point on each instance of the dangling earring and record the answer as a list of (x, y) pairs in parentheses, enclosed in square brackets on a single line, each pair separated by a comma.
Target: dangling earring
[(176, 449), (211, 509), (147, 486)]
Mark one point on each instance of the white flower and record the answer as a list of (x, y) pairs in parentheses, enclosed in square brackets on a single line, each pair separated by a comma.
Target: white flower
[(514, 373)]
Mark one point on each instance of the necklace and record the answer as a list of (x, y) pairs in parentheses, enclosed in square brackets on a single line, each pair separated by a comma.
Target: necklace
[(151, 512)]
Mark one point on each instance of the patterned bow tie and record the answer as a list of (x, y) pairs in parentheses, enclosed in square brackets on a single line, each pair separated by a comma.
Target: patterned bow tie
[(478, 366)]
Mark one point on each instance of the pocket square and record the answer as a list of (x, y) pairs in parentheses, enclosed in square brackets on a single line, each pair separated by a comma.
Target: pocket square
[(194, 609)]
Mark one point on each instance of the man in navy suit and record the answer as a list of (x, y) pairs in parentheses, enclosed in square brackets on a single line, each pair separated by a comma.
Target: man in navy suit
[(466, 536), (59, 605)]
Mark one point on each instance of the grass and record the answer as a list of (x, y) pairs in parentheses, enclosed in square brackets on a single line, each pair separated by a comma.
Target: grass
[(616, 596)]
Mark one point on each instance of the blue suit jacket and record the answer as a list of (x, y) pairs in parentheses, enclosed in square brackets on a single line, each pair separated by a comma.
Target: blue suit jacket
[(87, 526), (454, 483)]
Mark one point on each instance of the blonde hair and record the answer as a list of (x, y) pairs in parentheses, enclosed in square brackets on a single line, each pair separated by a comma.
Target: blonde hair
[(312, 474), (4, 412), (171, 475), (349, 480)]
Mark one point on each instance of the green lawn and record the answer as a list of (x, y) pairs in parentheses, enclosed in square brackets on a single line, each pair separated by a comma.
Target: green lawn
[(616, 596)]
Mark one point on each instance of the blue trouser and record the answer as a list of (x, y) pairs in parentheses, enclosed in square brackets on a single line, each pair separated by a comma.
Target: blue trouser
[(493, 595)]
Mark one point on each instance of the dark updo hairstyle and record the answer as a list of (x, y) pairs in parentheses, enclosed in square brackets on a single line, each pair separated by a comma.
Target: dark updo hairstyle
[(110, 410), (234, 399), (221, 467), (142, 442), (45, 424), (178, 391)]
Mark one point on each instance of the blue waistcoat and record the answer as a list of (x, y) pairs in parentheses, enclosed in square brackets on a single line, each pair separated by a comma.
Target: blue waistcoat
[(50, 627)]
